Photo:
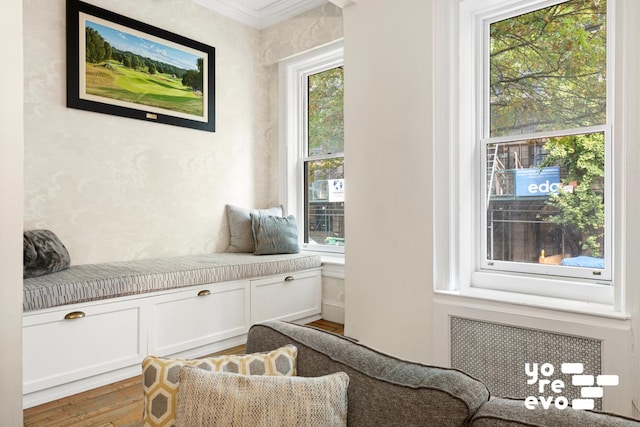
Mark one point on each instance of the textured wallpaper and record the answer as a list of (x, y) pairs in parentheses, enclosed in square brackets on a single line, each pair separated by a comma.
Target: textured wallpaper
[(114, 188), (296, 35), (314, 28)]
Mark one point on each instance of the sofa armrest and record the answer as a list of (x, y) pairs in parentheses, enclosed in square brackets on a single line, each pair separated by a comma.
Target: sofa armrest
[(383, 390)]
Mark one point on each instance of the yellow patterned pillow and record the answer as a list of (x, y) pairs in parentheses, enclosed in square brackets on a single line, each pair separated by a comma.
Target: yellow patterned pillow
[(160, 377)]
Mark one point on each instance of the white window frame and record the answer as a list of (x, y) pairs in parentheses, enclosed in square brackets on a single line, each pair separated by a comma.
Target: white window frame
[(293, 73), (458, 237)]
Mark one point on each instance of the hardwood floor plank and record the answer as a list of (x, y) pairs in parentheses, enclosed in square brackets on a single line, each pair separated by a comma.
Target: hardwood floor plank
[(336, 328), (119, 404)]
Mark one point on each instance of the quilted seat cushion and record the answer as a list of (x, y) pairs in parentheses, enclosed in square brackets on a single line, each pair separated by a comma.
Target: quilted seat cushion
[(91, 282)]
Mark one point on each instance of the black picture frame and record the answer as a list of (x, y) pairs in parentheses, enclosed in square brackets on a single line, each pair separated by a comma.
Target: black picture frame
[(151, 87)]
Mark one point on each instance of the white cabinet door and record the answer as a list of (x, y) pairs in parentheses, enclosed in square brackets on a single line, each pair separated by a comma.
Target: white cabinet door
[(199, 316), (92, 339), (286, 297)]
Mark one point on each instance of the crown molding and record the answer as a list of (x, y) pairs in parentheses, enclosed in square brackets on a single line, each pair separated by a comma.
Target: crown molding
[(275, 12), (343, 3)]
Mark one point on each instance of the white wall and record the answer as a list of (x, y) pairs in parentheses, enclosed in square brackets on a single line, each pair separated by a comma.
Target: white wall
[(114, 188), (390, 305), (11, 143), (388, 152)]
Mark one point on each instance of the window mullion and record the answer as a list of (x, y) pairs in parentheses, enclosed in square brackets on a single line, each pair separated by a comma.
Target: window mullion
[(323, 157), (548, 134)]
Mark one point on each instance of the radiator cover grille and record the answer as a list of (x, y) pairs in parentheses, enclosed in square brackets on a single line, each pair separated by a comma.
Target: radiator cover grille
[(496, 355)]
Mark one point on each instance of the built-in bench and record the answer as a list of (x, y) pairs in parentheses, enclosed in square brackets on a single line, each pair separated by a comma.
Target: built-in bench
[(91, 325)]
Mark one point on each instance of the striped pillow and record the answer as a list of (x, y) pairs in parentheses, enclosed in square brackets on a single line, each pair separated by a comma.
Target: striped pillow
[(210, 399)]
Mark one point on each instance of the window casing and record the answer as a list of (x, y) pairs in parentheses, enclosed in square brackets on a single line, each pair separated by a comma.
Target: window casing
[(312, 158), (466, 262)]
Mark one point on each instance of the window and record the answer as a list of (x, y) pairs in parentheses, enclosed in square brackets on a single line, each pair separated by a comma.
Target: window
[(312, 146), (324, 160), (534, 185), (544, 141)]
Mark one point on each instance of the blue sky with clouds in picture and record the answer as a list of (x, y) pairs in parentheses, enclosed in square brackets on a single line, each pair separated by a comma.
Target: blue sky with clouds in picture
[(127, 42)]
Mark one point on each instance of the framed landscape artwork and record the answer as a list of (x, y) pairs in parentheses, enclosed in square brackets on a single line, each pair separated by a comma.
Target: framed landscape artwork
[(117, 65)]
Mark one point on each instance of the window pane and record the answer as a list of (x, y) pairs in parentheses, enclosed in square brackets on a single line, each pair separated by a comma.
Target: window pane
[(546, 199), (548, 69), (325, 201), (326, 112)]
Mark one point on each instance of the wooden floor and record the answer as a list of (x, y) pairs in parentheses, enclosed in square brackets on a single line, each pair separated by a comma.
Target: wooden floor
[(118, 404)]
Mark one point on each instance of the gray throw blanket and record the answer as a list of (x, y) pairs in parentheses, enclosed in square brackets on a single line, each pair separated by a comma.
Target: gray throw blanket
[(44, 253)]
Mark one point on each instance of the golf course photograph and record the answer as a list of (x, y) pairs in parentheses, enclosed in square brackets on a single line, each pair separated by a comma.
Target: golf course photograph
[(120, 66), (125, 67)]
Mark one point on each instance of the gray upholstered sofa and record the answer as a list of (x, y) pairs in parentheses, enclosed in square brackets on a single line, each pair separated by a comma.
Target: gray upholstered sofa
[(386, 391)]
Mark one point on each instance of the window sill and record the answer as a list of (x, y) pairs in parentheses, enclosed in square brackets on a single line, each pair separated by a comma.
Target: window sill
[(531, 301), (328, 258), (332, 259)]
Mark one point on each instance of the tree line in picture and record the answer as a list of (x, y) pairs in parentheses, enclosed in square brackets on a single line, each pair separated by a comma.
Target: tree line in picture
[(99, 50)]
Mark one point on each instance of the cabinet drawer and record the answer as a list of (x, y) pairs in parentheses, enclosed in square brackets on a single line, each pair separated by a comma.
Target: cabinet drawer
[(99, 339), (203, 315), (286, 297)]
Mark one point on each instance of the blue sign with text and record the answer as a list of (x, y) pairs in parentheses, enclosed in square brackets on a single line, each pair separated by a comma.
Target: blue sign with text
[(532, 182)]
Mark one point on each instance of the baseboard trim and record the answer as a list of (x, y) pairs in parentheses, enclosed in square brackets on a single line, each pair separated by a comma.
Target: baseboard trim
[(333, 312)]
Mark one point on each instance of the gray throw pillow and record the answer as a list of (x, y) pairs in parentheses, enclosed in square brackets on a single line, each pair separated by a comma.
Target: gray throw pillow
[(240, 235), (275, 235), (43, 253)]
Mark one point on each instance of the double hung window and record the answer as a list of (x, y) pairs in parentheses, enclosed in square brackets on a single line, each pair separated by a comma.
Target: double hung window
[(535, 123), (324, 158), (312, 145)]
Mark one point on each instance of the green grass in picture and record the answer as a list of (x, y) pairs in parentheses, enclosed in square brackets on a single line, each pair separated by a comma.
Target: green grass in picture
[(112, 80)]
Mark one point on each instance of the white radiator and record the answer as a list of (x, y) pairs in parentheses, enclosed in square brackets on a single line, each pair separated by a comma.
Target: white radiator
[(496, 354)]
